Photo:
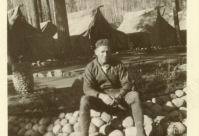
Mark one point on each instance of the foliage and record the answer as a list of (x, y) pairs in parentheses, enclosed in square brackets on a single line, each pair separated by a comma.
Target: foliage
[(158, 78)]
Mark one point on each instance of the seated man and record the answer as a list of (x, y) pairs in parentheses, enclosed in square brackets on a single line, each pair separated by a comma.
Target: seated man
[(106, 85)]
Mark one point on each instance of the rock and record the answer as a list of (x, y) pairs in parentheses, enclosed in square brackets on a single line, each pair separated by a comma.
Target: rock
[(63, 122), (32, 133), (128, 122), (94, 113), (92, 128), (69, 115), (61, 115), (97, 121), (40, 75), (27, 120), (15, 129), (22, 125), (28, 126), (183, 111), (185, 89), (147, 120), (148, 128), (77, 127), (169, 104), (49, 134), (105, 129), (173, 96), (34, 120), (44, 121), (35, 127), (130, 131), (182, 67), (61, 108), (12, 119), (50, 127), (57, 129), (184, 98), (94, 134), (67, 128), (49, 74), (21, 132), (58, 73), (176, 128), (179, 93), (36, 134), (42, 129), (73, 120), (105, 117), (178, 102), (63, 134), (153, 100), (75, 134), (57, 121), (149, 101), (28, 132), (184, 122), (76, 114), (116, 133), (158, 119)]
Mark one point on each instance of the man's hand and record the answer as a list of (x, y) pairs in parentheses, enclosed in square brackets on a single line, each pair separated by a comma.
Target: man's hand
[(106, 99), (118, 98)]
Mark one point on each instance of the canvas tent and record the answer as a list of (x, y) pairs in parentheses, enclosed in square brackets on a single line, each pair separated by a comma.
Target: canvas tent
[(86, 27), (149, 28), (162, 33), (25, 40)]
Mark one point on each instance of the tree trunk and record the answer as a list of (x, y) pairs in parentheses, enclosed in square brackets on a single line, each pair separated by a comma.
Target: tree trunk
[(22, 77), (40, 10), (176, 22), (33, 12), (49, 13), (62, 27)]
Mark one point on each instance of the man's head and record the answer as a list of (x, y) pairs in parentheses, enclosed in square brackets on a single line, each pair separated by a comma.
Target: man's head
[(102, 50)]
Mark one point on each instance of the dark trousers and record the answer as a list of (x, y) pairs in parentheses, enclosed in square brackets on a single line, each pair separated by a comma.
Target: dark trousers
[(89, 102)]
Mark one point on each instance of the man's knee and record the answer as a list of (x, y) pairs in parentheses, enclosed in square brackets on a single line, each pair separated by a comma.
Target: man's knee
[(85, 100), (132, 97)]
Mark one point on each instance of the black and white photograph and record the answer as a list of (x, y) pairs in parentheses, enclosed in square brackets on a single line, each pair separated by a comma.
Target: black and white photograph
[(97, 68)]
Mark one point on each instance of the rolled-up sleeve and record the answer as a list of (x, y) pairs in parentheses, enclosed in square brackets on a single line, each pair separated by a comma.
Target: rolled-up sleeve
[(125, 81), (89, 85)]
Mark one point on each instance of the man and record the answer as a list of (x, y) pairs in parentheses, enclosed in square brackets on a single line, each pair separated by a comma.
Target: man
[(106, 86)]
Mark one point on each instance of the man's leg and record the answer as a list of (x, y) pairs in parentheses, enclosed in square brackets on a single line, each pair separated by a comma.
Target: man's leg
[(87, 103), (132, 99), (85, 115)]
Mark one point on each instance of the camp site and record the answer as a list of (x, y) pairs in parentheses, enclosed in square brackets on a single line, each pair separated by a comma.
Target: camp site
[(50, 43)]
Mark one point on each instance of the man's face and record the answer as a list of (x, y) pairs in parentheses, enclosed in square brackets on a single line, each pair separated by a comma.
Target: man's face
[(103, 54)]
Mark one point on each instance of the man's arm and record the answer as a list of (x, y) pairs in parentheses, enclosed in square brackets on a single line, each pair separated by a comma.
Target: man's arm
[(126, 84), (89, 85)]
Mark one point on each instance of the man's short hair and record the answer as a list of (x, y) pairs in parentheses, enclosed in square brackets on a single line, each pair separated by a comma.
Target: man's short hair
[(102, 42)]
